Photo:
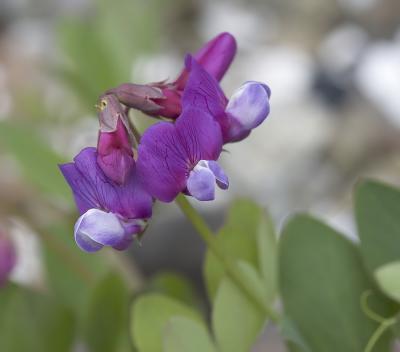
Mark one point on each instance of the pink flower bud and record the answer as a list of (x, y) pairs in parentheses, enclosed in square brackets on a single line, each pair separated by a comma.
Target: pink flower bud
[(139, 96), (164, 99), (8, 257), (215, 57), (114, 146)]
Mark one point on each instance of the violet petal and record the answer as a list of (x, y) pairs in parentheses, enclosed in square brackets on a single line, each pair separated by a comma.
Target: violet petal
[(84, 194), (220, 177), (162, 161), (203, 91), (167, 152), (92, 189), (215, 56)]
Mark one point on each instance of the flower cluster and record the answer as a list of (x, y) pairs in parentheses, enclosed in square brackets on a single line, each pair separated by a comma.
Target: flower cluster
[(115, 185)]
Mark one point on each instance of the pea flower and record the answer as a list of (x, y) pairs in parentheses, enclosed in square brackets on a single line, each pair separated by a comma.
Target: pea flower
[(114, 147), (182, 157), (246, 109), (163, 98), (8, 257), (111, 213)]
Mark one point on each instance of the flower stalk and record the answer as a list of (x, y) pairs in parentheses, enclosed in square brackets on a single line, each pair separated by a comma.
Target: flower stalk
[(230, 267)]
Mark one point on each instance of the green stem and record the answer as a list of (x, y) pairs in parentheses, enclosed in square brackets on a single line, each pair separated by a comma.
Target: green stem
[(378, 333), (230, 266)]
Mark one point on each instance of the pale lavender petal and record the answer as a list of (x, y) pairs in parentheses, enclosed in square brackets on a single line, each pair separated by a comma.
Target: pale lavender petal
[(220, 176), (201, 183), (96, 229), (247, 108)]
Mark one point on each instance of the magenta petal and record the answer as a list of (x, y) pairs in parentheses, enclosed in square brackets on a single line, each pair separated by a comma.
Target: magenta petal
[(201, 184), (114, 153), (215, 56)]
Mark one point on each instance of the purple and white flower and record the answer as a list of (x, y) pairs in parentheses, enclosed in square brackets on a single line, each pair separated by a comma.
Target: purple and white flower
[(182, 157), (111, 213), (163, 98), (246, 109)]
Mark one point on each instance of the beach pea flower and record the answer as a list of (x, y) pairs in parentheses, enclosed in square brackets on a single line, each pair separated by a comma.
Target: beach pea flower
[(111, 213), (164, 98), (246, 109), (8, 257), (181, 157), (114, 146)]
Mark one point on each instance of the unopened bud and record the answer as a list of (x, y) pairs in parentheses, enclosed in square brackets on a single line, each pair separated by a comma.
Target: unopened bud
[(114, 146)]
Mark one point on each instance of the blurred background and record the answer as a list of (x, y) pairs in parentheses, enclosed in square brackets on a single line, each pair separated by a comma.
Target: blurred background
[(334, 70)]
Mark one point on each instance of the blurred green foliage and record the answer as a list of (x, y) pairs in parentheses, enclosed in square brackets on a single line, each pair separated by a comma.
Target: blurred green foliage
[(101, 49)]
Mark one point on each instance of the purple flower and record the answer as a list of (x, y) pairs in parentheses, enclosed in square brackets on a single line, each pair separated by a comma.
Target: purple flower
[(8, 257), (114, 147), (181, 157), (110, 212), (246, 109), (163, 98)]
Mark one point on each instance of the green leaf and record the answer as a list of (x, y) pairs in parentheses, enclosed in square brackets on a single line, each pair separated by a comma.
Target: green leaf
[(150, 314), (321, 282), (378, 220), (239, 240), (236, 322), (175, 286), (107, 314), (388, 277), (183, 334), (292, 335), (38, 162), (71, 273), (267, 256), (33, 322)]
